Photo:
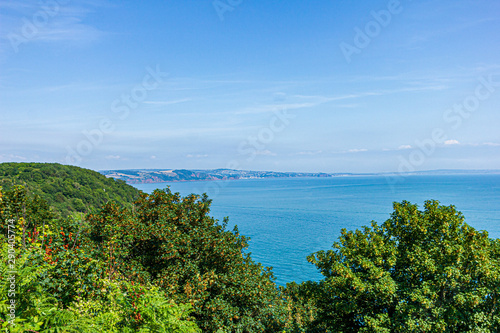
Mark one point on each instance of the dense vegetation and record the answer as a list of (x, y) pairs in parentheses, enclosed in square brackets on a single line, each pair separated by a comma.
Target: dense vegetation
[(172, 243), (420, 271), (162, 264), (67, 189)]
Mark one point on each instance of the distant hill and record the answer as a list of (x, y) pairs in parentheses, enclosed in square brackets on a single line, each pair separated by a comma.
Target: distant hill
[(141, 176), (172, 175), (67, 188)]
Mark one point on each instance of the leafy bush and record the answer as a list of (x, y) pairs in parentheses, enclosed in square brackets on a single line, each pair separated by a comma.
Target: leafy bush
[(122, 307), (171, 242), (50, 283), (420, 271)]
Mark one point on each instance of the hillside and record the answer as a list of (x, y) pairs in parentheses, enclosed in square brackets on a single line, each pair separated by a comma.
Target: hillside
[(173, 175), (66, 188), (142, 176)]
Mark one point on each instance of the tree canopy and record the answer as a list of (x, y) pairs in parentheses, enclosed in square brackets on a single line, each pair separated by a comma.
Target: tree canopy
[(68, 189), (420, 271), (172, 242), (53, 282)]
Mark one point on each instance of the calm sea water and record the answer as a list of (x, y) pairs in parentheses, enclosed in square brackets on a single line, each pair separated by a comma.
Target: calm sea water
[(289, 218)]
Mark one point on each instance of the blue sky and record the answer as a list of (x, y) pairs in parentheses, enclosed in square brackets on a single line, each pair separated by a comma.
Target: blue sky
[(331, 86)]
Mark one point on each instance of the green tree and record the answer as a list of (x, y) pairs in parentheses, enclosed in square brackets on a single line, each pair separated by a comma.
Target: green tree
[(67, 189), (50, 283), (420, 271), (121, 307), (172, 242), (300, 306)]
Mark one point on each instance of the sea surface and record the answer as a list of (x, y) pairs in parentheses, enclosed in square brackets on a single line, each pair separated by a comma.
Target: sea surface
[(289, 218)]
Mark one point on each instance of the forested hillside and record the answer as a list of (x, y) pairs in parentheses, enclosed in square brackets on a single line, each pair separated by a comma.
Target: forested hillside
[(67, 188)]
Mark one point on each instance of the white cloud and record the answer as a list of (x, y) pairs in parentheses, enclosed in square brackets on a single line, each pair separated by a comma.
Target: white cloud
[(112, 157), (484, 144), (265, 153), (309, 152), (451, 142), (401, 147), (357, 150), (12, 158)]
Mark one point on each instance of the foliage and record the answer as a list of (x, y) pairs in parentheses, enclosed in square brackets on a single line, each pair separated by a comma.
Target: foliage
[(67, 189), (121, 307), (72, 270), (300, 308), (165, 243), (162, 264), (35, 308), (173, 243), (51, 281), (32, 212), (125, 307), (420, 271)]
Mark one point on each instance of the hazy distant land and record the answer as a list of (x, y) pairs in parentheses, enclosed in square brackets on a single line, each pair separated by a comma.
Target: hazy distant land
[(142, 176)]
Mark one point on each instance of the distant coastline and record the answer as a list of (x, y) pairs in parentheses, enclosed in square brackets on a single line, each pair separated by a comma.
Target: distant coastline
[(145, 176)]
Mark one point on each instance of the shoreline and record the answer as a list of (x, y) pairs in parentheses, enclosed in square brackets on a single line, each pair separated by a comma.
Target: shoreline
[(387, 175)]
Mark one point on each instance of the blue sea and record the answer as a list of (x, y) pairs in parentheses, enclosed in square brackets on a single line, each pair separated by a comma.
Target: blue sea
[(289, 218)]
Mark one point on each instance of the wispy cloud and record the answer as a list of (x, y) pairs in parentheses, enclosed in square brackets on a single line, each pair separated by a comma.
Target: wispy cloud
[(491, 144), (162, 103), (401, 147), (275, 107), (453, 142), (112, 157), (12, 158), (315, 100), (265, 153), (309, 153), (484, 144), (424, 36), (357, 150), (132, 136), (47, 22)]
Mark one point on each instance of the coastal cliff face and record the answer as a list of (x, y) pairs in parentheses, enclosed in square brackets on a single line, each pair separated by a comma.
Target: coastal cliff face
[(172, 175)]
